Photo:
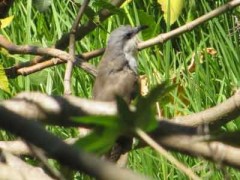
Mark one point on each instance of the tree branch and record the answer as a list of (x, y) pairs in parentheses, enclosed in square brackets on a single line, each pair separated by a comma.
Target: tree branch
[(26, 49), (81, 32), (215, 116), (16, 70), (189, 26), (69, 67), (59, 110), (215, 151), (68, 155), (13, 167), (147, 139), (56, 109)]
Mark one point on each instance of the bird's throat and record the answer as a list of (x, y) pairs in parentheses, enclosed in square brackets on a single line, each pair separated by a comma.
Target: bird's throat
[(130, 52), (132, 61)]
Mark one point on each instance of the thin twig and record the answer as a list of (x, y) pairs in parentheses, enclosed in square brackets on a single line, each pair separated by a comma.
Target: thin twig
[(14, 71), (68, 155), (214, 116), (189, 26), (14, 167), (35, 50), (69, 67), (40, 155), (167, 155), (82, 31), (56, 110)]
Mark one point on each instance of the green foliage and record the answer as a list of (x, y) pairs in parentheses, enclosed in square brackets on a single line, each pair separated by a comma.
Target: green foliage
[(214, 79), (145, 113), (4, 85), (101, 120), (99, 141), (146, 19), (171, 9), (108, 128), (6, 22)]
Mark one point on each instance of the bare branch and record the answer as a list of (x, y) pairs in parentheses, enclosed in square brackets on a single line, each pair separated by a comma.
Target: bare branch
[(34, 50), (59, 110), (89, 27), (39, 154), (16, 70), (145, 137), (215, 116), (25, 49), (82, 31), (68, 155), (69, 67), (16, 147), (189, 26), (56, 110), (15, 168), (214, 151)]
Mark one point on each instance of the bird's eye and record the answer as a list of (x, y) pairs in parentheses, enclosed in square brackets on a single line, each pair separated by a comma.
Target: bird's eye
[(128, 35)]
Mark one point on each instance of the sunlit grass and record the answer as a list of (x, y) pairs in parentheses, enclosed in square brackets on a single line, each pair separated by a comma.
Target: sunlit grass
[(214, 79)]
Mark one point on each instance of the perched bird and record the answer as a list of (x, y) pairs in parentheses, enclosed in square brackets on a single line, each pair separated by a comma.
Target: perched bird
[(117, 70), (117, 75)]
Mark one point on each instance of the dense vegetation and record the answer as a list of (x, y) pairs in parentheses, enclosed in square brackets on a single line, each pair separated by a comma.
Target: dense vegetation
[(213, 47)]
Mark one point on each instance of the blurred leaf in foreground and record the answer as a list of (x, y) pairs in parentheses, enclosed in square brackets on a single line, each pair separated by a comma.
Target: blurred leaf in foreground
[(107, 129)]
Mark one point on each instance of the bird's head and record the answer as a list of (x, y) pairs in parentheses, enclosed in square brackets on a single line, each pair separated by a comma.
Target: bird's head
[(124, 38)]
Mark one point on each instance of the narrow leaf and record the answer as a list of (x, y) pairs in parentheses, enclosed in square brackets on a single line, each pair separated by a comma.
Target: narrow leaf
[(99, 141), (102, 121), (126, 117), (5, 22), (155, 94), (171, 9), (145, 112), (4, 85)]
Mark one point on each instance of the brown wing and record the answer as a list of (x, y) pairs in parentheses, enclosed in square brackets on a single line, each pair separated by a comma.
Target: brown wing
[(114, 78)]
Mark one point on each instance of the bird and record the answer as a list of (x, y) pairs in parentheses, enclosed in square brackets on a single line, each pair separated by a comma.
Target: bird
[(117, 70), (117, 75)]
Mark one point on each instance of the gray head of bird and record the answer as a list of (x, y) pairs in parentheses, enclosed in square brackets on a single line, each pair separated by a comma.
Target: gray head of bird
[(124, 39)]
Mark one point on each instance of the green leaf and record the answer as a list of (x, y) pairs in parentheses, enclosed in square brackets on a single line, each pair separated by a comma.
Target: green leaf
[(126, 3), (98, 141), (4, 85), (145, 111), (126, 117), (172, 9), (98, 120), (6, 22), (192, 11), (39, 77), (147, 121), (147, 19)]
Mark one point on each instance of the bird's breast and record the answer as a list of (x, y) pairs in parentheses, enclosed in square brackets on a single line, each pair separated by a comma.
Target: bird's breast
[(132, 61)]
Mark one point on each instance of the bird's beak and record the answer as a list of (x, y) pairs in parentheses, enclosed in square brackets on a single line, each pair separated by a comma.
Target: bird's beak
[(140, 28)]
